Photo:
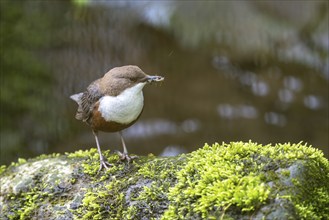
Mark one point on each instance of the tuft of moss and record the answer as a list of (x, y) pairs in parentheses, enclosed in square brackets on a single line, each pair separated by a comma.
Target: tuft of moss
[(89, 160), (220, 180), (2, 168), (20, 161)]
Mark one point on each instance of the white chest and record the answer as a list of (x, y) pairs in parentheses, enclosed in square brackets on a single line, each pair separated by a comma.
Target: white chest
[(125, 107)]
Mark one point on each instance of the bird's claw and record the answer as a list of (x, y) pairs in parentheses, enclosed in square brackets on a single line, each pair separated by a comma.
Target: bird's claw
[(125, 156), (103, 164)]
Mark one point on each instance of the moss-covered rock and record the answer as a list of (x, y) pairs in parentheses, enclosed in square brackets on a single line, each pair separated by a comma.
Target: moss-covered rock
[(223, 181)]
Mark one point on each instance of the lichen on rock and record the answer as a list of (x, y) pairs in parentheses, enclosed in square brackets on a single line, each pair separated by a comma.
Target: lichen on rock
[(235, 180)]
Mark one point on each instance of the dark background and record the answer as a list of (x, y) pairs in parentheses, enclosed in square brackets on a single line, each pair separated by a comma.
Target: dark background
[(235, 71)]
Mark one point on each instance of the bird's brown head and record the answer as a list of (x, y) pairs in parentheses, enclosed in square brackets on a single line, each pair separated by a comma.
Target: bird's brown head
[(133, 74), (127, 76)]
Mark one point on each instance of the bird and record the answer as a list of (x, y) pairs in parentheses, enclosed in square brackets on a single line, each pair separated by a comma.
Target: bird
[(113, 103)]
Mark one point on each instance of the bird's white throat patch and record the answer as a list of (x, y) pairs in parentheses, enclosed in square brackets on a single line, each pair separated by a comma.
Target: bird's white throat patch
[(125, 107)]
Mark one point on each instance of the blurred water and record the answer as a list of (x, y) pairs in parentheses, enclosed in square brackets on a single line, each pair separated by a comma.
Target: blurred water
[(235, 70)]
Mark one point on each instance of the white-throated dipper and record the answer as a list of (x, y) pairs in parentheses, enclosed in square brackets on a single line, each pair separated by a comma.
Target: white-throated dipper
[(113, 103)]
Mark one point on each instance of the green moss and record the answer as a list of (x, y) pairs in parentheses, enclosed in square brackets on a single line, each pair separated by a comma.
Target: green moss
[(131, 212), (121, 195), (214, 179), (312, 202), (31, 203), (2, 168), (47, 156), (29, 185), (20, 161), (82, 153), (223, 181), (161, 173), (161, 168), (224, 178), (285, 173), (103, 201), (89, 160), (26, 203)]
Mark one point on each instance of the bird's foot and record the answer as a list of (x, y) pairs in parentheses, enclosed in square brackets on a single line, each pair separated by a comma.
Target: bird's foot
[(103, 164), (125, 156)]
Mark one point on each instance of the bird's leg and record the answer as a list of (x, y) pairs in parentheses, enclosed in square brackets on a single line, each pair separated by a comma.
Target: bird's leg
[(103, 162), (124, 155)]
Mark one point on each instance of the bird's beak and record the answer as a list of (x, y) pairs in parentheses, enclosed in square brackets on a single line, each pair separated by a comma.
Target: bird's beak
[(151, 79)]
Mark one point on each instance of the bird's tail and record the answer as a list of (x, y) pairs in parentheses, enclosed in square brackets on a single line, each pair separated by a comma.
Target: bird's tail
[(77, 98)]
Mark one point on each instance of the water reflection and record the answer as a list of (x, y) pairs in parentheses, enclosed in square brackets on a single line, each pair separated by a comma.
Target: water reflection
[(286, 95), (190, 125), (312, 102), (151, 128), (293, 83), (158, 127), (172, 151), (235, 112), (274, 118), (260, 88), (262, 76)]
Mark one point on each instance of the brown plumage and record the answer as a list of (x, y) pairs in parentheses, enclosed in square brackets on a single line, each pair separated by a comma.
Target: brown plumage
[(106, 105)]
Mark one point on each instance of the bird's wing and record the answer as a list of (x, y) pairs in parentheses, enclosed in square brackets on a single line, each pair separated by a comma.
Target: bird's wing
[(88, 101)]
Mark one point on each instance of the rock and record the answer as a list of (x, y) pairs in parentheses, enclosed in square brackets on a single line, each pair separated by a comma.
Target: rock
[(224, 181)]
